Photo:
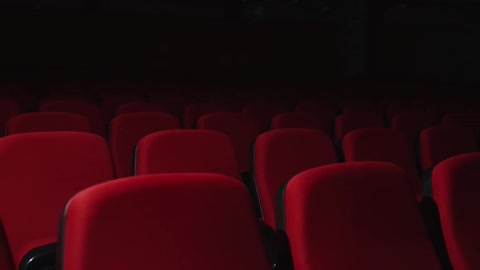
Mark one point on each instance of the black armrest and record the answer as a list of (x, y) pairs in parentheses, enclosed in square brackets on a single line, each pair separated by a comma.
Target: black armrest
[(269, 239), (41, 258), (431, 219)]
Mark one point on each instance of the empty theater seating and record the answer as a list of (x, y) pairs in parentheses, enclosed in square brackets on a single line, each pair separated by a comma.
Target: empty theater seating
[(170, 221), (127, 130), (455, 190), (139, 106), (382, 144), (192, 163), (303, 120), (263, 112), (281, 154), (111, 103), (241, 130), (47, 121), (197, 110), (347, 122), (359, 215), (83, 108), (410, 124), (186, 151), (442, 142), (40, 172)]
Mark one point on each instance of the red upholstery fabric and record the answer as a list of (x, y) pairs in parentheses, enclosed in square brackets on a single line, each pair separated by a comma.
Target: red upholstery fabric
[(8, 109), (186, 151), (455, 189), (359, 215), (127, 130), (241, 130), (263, 112), (303, 120), (467, 120), (197, 110), (40, 172), (382, 144), (6, 261), (442, 142), (281, 154), (347, 122), (134, 107), (321, 107), (169, 221), (410, 124), (83, 108), (47, 121)]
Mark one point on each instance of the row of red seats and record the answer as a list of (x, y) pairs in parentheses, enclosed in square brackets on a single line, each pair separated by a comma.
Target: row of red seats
[(363, 211), (262, 110), (436, 143), (360, 211), (228, 166)]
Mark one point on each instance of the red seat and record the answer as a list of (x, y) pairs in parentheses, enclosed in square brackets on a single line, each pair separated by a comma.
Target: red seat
[(127, 130), (281, 154), (442, 142), (303, 120), (186, 151), (411, 124), (359, 215), (40, 172), (194, 111), (385, 145), (241, 130), (83, 108), (263, 112), (110, 104), (170, 221), (347, 122), (47, 121), (455, 189)]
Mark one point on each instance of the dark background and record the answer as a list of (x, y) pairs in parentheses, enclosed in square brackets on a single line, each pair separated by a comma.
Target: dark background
[(239, 42)]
